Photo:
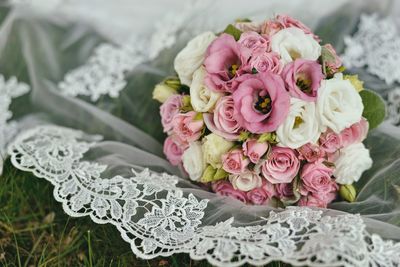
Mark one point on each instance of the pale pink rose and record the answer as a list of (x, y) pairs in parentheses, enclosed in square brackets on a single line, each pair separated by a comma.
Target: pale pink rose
[(186, 127), (173, 150), (225, 188), (270, 27), (336, 63), (266, 62), (356, 133), (316, 201), (168, 110), (268, 188), (311, 152), (222, 122), (288, 22), (281, 166), (255, 150), (245, 181), (255, 42), (248, 26), (234, 161), (303, 78), (225, 60), (330, 142), (284, 190), (257, 196), (261, 102), (316, 179)]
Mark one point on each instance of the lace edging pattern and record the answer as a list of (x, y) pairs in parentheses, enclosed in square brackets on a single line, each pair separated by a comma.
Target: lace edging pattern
[(158, 219), (376, 46), (9, 89), (105, 71)]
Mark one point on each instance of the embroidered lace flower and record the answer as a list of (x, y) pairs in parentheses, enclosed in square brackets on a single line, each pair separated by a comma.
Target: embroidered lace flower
[(376, 46), (160, 221), (9, 89)]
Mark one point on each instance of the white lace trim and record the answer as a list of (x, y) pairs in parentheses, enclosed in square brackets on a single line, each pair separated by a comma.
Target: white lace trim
[(376, 46), (9, 89), (105, 71), (157, 219)]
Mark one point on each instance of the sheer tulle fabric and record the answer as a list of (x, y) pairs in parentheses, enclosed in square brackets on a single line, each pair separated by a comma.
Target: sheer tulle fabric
[(41, 53)]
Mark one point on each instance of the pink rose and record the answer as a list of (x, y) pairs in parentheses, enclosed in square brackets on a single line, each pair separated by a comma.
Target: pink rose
[(248, 26), (303, 78), (269, 189), (225, 60), (316, 201), (336, 63), (270, 27), (254, 149), (284, 190), (222, 122), (186, 127), (261, 102), (234, 161), (257, 196), (173, 150), (255, 42), (316, 179), (168, 110), (266, 62), (288, 22), (224, 188), (356, 133), (330, 142), (281, 166), (311, 152)]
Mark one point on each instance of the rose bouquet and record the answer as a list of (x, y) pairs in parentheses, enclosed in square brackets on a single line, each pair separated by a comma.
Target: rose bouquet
[(262, 112)]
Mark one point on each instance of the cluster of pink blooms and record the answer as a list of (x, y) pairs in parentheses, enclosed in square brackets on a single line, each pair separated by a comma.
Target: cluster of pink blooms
[(317, 187), (254, 79)]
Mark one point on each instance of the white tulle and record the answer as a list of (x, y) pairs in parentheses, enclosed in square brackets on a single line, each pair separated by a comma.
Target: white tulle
[(157, 218), (9, 89), (90, 128)]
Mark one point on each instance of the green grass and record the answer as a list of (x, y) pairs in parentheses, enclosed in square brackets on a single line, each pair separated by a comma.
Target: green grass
[(34, 231)]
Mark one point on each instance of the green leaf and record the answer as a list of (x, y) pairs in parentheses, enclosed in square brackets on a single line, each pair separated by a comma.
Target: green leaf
[(244, 136), (232, 30), (267, 137), (374, 108)]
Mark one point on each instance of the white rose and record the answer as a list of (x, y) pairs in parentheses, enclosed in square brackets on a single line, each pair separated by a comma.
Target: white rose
[(338, 104), (352, 162), (214, 147), (193, 161), (300, 126), (202, 98), (190, 58), (293, 43), (245, 181), (162, 92)]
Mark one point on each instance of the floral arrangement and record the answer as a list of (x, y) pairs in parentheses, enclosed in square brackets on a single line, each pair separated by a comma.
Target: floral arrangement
[(262, 112)]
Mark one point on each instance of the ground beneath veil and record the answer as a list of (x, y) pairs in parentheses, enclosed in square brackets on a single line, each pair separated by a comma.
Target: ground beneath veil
[(34, 231)]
